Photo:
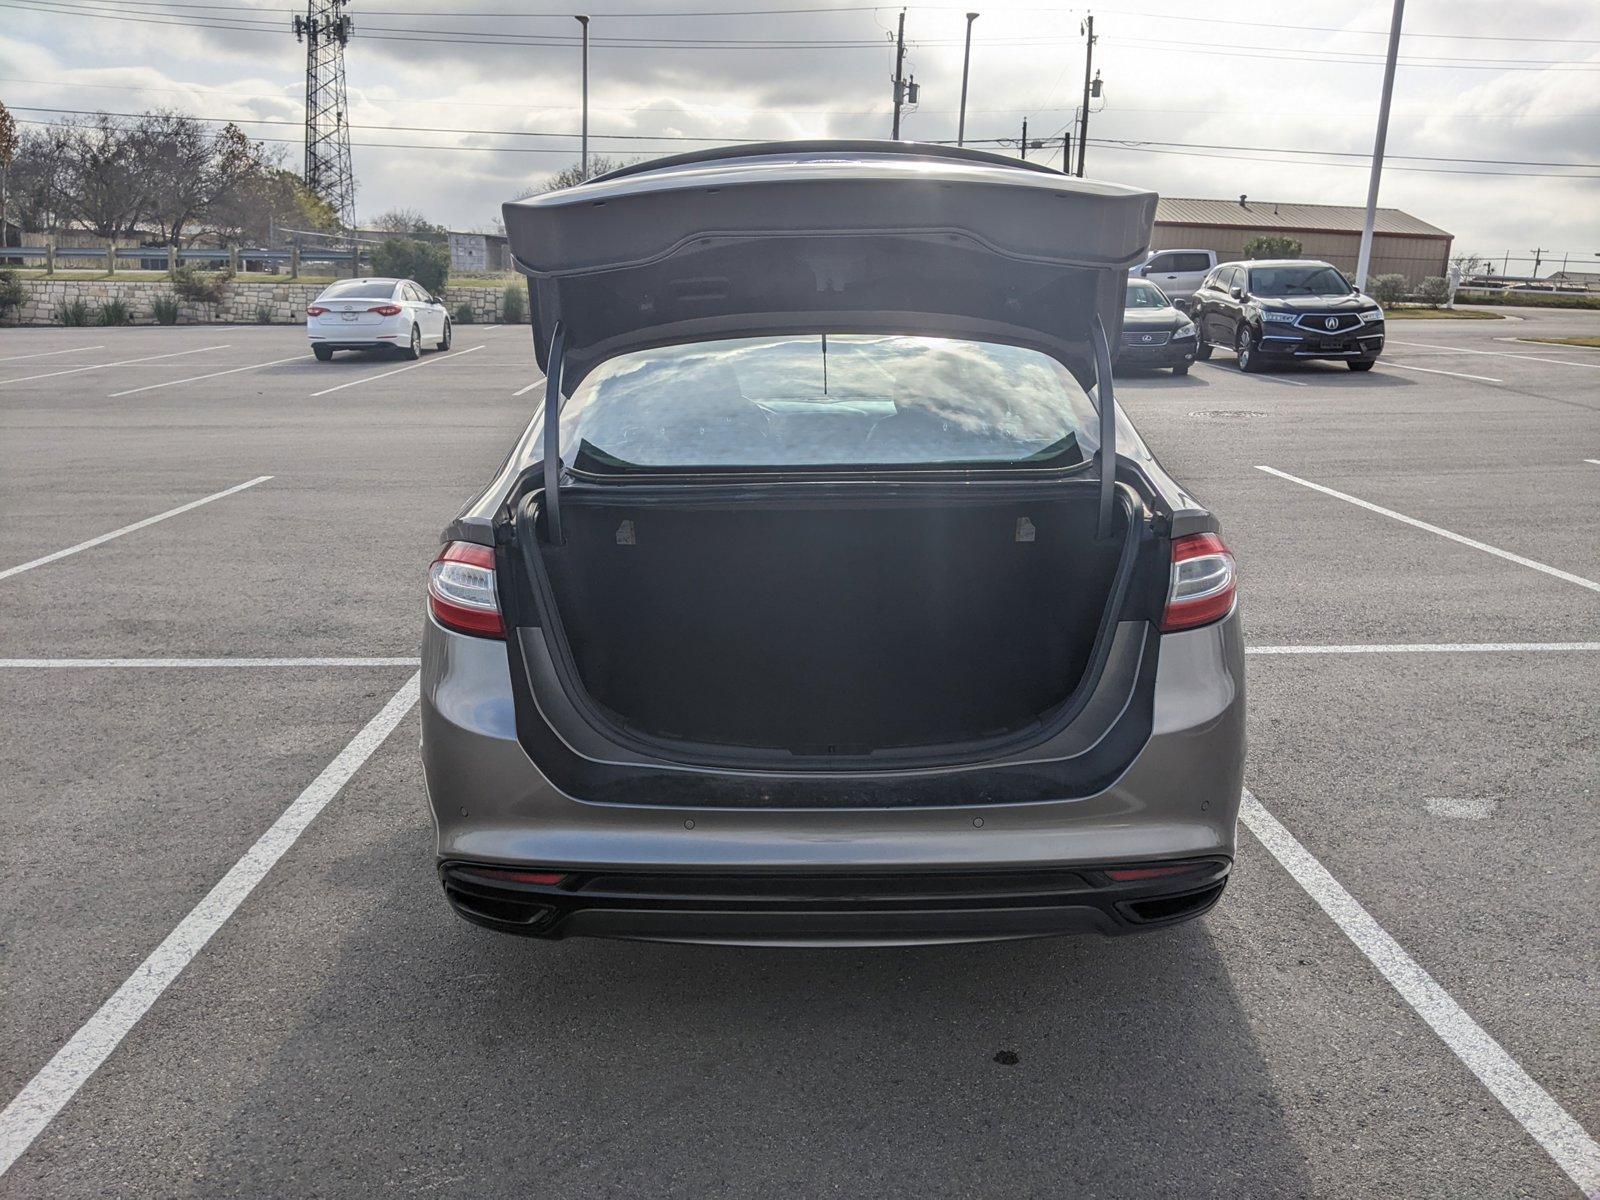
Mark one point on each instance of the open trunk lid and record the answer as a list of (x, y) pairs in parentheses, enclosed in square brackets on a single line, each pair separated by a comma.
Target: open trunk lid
[(839, 236)]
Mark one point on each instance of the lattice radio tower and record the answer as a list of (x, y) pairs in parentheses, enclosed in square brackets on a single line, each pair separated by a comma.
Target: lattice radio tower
[(325, 29)]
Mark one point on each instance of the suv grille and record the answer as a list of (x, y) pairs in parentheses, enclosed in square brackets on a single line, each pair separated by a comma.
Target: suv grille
[(1318, 322), (1153, 337)]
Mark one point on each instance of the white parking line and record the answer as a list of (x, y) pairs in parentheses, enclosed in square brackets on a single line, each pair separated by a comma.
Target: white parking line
[(102, 366), (1558, 1134), (1595, 461), (373, 378), (490, 328), (50, 353), (1389, 362), (1444, 533), (150, 387), (184, 664), (523, 391), (1565, 362), (48, 1092), (1431, 648), (137, 525)]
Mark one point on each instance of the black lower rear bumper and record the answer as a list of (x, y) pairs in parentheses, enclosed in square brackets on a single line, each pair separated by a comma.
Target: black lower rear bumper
[(836, 909)]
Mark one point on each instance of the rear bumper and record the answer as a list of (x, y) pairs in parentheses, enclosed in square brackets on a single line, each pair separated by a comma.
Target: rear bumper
[(835, 909), (1177, 799)]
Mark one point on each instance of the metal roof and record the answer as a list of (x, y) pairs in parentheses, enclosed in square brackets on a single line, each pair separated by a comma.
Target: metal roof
[(1273, 214)]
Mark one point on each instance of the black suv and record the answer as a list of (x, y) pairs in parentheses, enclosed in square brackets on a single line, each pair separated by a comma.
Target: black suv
[(1285, 310)]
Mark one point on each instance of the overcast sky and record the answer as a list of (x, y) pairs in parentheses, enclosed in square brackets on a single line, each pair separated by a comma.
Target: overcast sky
[(1516, 83)]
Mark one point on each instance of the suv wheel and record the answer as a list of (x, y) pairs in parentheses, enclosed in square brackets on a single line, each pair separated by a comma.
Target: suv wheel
[(323, 353), (1202, 348), (414, 350), (1356, 364), (1244, 346)]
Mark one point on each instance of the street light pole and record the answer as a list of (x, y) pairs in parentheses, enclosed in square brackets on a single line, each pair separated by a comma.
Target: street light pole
[(584, 154), (966, 64), (1364, 259)]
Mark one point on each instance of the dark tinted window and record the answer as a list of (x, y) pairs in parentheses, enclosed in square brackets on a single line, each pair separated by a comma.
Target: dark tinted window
[(1297, 281), (360, 289), (851, 399), (1189, 262)]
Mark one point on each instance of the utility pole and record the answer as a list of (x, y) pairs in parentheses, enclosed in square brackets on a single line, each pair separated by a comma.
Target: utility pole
[(583, 158), (1066, 153), (1087, 29), (326, 30), (966, 65), (1364, 259), (1538, 259), (899, 74), (1022, 146)]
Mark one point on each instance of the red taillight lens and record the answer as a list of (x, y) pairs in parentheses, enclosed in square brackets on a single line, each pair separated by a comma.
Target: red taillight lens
[(1204, 582), (314, 310), (461, 590), (1131, 874), (510, 875), (386, 310)]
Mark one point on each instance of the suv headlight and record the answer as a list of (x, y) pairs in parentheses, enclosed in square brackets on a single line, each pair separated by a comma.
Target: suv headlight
[(1371, 316), (1184, 331), (1279, 318)]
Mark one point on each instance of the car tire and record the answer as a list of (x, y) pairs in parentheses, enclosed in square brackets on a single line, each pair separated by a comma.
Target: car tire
[(414, 349), (1202, 348), (323, 353), (1181, 369), (1244, 346), (1358, 365), (444, 342)]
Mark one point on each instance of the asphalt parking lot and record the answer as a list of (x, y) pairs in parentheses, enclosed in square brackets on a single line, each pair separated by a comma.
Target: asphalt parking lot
[(211, 572)]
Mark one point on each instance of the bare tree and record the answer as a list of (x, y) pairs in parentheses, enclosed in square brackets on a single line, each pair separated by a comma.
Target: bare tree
[(104, 175), (8, 150), (174, 161), (599, 164), (409, 221), (39, 185)]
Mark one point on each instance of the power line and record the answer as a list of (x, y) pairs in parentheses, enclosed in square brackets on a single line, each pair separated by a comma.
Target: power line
[(853, 8), (479, 37), (1180, 149)]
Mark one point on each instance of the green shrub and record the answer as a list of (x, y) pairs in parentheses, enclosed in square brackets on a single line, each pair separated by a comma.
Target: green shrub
[(405, 258), (201, 287), (514, 305), (263, 314), (463, 315), (1529, 299), (114, 312), (1388, 289), (165, 310), (1435, 290), (1269, 246), (12, 292), (75, 312)]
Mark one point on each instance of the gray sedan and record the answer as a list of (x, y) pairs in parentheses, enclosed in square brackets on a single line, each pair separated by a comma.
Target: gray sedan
[(830, 598)]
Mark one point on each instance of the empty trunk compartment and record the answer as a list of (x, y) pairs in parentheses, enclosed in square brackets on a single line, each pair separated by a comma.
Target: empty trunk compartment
[(831, 626)]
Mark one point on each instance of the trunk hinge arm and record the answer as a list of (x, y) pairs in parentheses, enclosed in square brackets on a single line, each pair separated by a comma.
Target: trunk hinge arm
[(552, 434), (1107, 454)]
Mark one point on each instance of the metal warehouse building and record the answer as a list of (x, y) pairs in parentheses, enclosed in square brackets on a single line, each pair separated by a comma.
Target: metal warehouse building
[(1401, 244)]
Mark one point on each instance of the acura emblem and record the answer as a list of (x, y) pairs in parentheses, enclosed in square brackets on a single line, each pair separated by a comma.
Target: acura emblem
[(1332, 323)]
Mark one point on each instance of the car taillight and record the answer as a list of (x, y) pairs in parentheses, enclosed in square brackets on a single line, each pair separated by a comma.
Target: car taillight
[(1133, 874), (461, 590), (386, 310), (1204, 581), (315, 310)]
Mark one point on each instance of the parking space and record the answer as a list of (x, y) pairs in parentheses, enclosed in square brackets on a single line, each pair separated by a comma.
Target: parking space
[(342, 1032)]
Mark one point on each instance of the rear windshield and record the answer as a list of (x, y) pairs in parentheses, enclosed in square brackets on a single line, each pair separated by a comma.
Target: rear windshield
[(1145, 295), (1297, 281), (359, 289), (829, 400)]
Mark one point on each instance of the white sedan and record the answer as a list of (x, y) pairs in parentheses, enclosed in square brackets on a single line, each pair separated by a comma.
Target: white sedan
[(373, 314)]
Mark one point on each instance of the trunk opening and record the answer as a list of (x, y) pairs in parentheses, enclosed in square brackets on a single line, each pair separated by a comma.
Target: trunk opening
[(833, 627)]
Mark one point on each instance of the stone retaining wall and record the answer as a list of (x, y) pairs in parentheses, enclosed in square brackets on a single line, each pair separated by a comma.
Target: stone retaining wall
[(247, 303)]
